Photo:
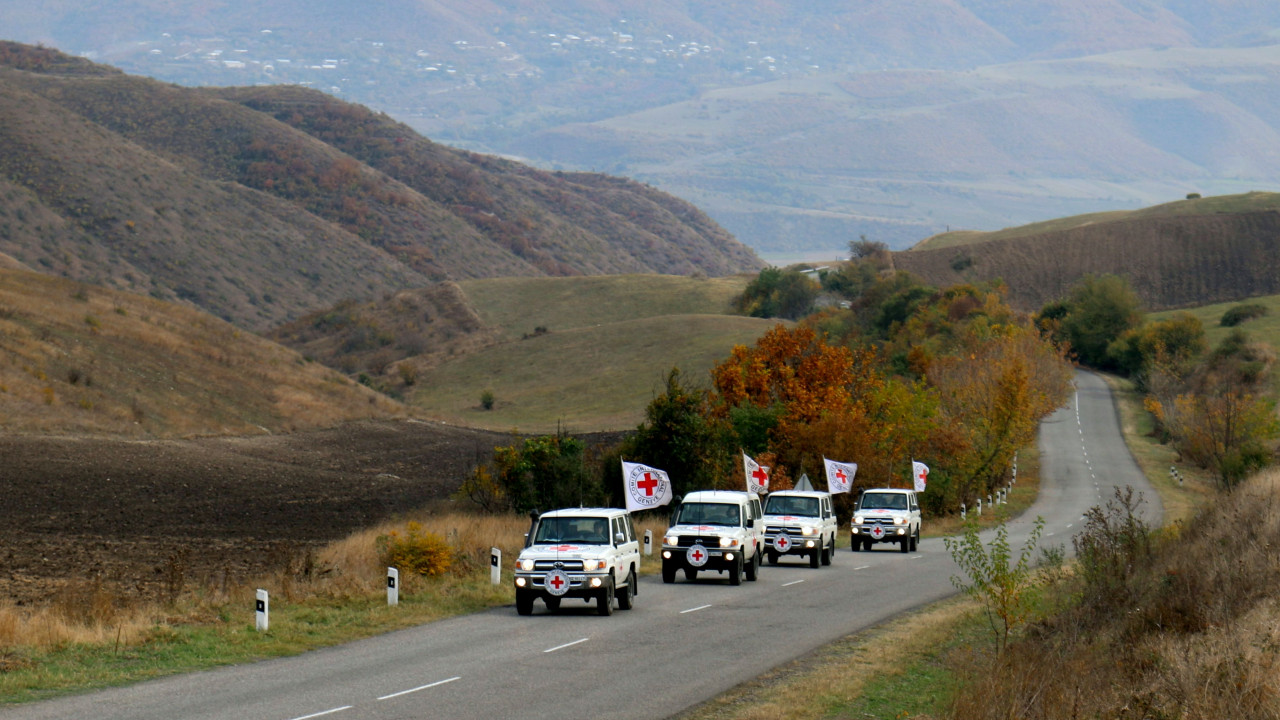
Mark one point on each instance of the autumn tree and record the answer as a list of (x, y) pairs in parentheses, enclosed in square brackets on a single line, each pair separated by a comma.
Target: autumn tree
[(1098, 310)]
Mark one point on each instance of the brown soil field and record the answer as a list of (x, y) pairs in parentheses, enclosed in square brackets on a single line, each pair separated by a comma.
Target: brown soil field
[(130, 513)]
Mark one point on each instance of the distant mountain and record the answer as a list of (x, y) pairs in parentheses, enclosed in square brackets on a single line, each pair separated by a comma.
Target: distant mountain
[(1188, 253), (262, 204), (797, 126)]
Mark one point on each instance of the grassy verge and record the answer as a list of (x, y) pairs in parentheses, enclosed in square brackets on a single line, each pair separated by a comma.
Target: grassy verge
[(90, 641)]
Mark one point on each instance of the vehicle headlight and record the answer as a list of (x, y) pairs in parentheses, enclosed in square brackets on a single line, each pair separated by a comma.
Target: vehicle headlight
[(526, 564), (728, 542), (899, 521), (807, 531), (593, 565), (671, 540), (857, 519)]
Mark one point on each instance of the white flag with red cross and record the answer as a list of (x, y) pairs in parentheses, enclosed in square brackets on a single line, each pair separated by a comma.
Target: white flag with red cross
[(920, 473), (646, 487), (757, 475), (839, 476)]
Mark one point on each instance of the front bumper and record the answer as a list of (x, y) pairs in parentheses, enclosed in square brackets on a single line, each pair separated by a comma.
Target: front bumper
[(580, 585), (795, 544), (891, 533), (717, 558)]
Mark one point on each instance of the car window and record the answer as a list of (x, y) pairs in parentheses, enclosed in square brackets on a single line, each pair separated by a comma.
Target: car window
[(884, 501), (709, 514), (785, 505), (631, 529)]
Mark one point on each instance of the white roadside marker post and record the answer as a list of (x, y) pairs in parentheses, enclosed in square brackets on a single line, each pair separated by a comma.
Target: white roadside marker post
[(962, 511), (393, 586), (263, 607), (648, 542), (495, 566), (979, 507)]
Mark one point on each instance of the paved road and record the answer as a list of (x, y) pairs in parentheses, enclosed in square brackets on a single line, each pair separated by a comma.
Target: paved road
[(682, 644)]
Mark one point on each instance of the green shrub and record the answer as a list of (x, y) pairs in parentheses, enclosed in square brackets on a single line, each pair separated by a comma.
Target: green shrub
[(1241, 313), (415, 550), (486, 399)]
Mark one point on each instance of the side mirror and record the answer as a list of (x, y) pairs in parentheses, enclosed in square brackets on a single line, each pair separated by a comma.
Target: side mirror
[(619, 538)]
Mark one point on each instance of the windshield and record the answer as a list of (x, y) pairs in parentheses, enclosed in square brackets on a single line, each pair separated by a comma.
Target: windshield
[(884, 501), (708, 514), (586, 530), (783, 505)]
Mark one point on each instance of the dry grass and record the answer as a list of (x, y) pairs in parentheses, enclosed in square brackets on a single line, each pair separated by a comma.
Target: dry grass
[(1189, 633), (77, 358)]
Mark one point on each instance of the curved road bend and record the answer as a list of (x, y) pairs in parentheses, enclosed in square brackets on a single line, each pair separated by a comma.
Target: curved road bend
[(682, 644)]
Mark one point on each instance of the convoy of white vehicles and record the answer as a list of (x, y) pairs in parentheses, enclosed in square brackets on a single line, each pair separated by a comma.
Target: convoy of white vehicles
[(593, 554)]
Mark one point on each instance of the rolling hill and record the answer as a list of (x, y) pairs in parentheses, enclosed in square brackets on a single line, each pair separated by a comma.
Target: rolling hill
[(261, 204), (1192, 252)]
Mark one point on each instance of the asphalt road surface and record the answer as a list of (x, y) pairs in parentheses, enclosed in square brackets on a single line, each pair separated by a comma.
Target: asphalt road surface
[(682, 644)]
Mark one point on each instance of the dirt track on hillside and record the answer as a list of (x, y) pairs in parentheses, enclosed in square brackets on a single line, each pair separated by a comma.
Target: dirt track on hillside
[(88, 509)]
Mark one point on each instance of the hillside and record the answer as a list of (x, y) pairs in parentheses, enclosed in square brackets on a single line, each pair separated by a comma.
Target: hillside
[(581, 353), (76, 358), (797, 126), (262, 204), (1192, 252)]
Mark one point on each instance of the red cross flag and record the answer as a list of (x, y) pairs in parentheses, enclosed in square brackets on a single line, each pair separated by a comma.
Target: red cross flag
[(920, 472), (757, 476), (839, 476), (646, 487)]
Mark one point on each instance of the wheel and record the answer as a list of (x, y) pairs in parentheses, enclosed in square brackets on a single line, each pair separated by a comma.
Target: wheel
[(814, 559), (668, 572), (690, 574), (753, 568), (553, 603), (915, 541), (773, 558), (828, 551), (905, 543), (627, 598), (604, 601), (524, 602), (854, 543), (735, 572), (866, 544)]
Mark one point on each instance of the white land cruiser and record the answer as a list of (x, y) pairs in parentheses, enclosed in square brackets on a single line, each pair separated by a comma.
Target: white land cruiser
[(715, 530), (886, 515), (801, 523), (587, 553)]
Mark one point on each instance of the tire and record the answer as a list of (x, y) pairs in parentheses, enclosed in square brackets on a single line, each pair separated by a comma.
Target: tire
[(867, 544), (735, 572), (905, 543), (690, 574), (773, 558), (855, 544), (524, 602), (553, 603), (829, 551), (668, 572), (627, 598), (604, 601), (753, 569), (814, 559), (915, 540)]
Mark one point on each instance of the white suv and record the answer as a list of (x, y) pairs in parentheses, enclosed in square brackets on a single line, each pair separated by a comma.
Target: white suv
[(801, 523), (721, 530), (586, 553), (886, 515)]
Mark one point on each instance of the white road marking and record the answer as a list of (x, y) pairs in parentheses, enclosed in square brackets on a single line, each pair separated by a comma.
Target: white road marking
[(420, 687), (700, 607), (326, 712), (862, 567), (561, 647), (793, 582)]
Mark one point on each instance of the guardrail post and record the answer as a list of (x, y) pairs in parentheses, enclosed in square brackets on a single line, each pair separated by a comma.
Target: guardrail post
[(393, 586), (495, 566), (263, 607)]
